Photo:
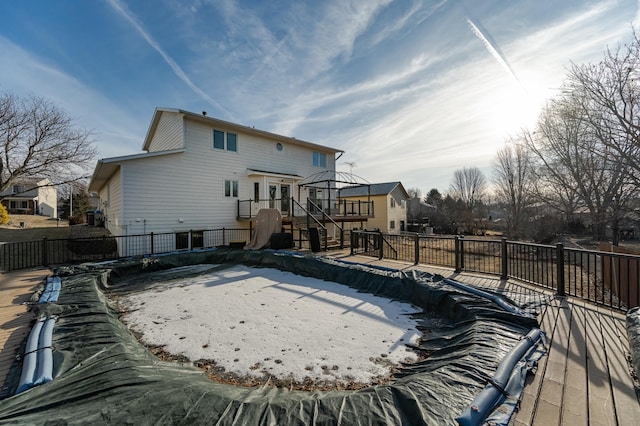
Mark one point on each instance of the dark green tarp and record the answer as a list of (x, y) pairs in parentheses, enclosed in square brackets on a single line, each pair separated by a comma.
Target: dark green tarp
[(102, 375)]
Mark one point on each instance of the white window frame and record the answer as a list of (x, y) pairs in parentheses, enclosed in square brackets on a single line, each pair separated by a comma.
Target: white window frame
[(230, 188), (319, 159)]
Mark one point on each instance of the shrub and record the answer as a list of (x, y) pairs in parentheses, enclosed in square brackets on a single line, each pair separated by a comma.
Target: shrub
[(4, 216), (78, 219)]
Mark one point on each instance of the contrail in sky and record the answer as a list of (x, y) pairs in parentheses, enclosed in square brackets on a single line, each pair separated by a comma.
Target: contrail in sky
[(494, 52), (168, 59)]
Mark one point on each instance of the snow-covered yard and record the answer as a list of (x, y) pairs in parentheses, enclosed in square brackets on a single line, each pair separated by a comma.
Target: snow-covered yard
[(258, 325)]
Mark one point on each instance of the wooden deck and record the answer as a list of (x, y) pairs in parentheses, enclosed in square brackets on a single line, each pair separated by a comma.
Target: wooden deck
[(16, 288), (584, 379)]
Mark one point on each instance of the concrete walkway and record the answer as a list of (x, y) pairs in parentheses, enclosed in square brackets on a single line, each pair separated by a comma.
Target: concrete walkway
[(16, 288)]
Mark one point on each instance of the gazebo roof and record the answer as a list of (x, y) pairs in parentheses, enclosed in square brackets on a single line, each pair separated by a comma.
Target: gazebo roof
[(331, 176)]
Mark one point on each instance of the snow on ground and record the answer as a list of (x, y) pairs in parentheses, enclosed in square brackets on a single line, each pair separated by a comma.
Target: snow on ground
[(261, 322)]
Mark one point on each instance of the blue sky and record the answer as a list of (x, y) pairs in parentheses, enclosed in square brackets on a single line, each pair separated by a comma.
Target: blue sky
[(410, 90)]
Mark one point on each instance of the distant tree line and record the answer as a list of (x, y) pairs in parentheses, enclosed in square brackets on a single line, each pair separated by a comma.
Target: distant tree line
[(577, 170)]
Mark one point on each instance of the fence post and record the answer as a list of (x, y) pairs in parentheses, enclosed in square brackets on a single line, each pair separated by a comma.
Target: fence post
[(224, 239), (417, 249), (505, 259), (104, 247), (560, 271), (45, 255), (152, 248), (352, 237), (380, 246), (457, 253), (3, 261)]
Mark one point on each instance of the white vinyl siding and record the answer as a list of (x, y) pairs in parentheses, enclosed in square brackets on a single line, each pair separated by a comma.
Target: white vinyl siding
[(185, 191), (169, 134), (111, 201), (47, 199)]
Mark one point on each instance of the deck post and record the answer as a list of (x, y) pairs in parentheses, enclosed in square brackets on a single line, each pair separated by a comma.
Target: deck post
[(457, 253), (45, 257), (560, 270), (416, 249), (505, 259)]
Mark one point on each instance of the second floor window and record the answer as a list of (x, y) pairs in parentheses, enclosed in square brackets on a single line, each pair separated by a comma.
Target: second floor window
[(393, 202), (222, 140), (319, 159)]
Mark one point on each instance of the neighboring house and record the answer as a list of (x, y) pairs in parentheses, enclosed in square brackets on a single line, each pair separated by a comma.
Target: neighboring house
[(31, 196), (389, 204), (197, 172)]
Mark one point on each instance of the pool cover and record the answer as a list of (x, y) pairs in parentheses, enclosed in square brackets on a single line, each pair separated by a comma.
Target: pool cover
[(103, 375)]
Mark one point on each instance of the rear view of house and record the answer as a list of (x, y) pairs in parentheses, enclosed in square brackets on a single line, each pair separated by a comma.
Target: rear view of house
[(198, 172)]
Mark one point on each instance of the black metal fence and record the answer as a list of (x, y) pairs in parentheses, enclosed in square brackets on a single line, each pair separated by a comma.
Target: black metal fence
[(49, 252), (611, 279)]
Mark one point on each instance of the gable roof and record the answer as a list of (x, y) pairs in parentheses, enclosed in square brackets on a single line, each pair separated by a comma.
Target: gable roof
[(373, 189), (215, 122)]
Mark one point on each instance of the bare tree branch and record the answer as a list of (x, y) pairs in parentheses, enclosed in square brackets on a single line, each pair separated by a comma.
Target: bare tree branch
[(40, 141)]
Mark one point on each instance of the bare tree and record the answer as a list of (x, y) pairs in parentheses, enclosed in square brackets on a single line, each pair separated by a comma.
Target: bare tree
[(575, 162), (39, 140), (414, 192), (513, 182), (468, 189), (468, 185), (611, 100)]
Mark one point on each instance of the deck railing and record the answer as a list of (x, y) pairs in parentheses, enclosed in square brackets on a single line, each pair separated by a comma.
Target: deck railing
[(247, 209), (603, 277), (611, 279)]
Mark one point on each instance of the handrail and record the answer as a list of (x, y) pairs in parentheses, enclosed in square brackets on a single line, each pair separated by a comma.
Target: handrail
[(310, 216), (395, 252), (330, 220)]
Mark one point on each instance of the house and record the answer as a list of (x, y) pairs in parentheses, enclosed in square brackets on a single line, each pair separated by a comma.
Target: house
[(389, 204), (200, 173), (31, 196)]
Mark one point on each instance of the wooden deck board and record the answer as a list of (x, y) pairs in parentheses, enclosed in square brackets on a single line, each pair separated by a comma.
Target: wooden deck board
[(601, 410), (616, 347), (574, 407), (524, 416), (551, 390), (16, 288)]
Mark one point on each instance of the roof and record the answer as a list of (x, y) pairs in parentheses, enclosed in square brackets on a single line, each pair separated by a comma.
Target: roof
[(373, 189), (215, 122)]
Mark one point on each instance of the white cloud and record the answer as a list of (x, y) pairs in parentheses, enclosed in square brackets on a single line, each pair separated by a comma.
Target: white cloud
[(115, 130)]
